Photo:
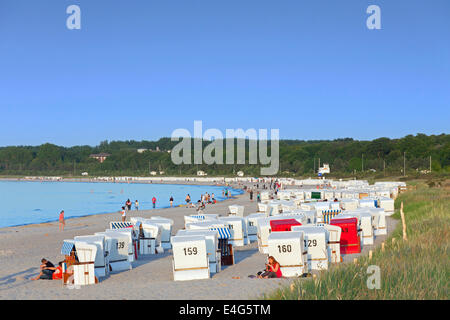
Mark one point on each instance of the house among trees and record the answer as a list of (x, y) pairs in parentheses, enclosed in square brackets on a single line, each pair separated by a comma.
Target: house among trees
[(100, 156)]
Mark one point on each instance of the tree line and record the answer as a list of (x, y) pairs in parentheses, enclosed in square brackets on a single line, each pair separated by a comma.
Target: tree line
[(297, 158)]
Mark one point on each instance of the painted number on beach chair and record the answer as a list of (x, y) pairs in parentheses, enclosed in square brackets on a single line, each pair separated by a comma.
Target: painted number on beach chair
[(285, 248), (310, 243), (190, 251), (120, 245)]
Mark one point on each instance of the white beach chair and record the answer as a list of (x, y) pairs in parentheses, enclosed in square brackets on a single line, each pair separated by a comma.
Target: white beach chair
[(252, 225), (190, 258), (334, 243), (166, 230), (238, 229), (212, 246), (236, 210), (84, 270), (101, 264), (126, 241), (150, 240), (315, 241), (117, 244), (387, 204), (288, 249)]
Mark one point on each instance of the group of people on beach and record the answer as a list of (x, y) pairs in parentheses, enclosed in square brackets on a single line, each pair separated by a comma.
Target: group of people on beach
[(48, 271), (226, 193), (272, 268), (205, 199)]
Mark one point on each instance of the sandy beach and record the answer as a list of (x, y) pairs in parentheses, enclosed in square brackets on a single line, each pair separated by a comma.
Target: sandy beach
[(22, 247)]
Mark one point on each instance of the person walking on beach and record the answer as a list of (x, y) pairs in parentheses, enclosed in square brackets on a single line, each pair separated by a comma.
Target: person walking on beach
[(124, 214), (128, 204), (61, 221), (251, 195), (188, 199), (136, 205), (258, 197), (154, 202), (171, 201)]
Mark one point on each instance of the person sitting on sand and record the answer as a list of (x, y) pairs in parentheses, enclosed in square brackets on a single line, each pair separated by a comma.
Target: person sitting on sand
[(57, 272), (272, 269), (46, 271), (200, 206)]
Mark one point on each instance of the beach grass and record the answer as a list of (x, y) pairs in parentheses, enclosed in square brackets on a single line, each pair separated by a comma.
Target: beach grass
[(418, 268)]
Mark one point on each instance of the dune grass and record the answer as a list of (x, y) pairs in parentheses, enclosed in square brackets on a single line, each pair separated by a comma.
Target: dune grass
[(415, 269)]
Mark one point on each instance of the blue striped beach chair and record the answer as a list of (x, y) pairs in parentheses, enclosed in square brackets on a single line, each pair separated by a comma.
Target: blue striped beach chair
[(120, 225), (327, 215), (226, 249)]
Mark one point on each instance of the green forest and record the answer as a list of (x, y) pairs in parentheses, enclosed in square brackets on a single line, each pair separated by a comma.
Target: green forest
[(383, 156)]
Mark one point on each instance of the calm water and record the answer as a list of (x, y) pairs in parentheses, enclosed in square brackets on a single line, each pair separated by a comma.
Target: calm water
[(36, 202)]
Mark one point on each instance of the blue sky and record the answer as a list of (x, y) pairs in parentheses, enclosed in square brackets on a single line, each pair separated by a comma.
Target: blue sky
[(141, 69)]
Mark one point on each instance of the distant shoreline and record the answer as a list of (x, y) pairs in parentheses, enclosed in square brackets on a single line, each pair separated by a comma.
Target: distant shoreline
[(237, 188), (216, 181)]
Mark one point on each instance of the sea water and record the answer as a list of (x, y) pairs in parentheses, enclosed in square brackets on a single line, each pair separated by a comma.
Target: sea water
[(27, 202)]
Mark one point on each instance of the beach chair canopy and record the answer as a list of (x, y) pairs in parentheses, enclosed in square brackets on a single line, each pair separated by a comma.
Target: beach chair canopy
[(120, 225), (67, 247), (224, 233)]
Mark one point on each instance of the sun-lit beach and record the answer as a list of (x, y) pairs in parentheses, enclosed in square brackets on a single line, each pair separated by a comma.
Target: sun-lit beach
[(246, 152), (151, 277)]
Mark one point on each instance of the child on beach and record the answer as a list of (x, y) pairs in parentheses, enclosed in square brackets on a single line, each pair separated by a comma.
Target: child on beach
[(124, 214), (154, 202), (171, 201), (61, 221), (136, 205)]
